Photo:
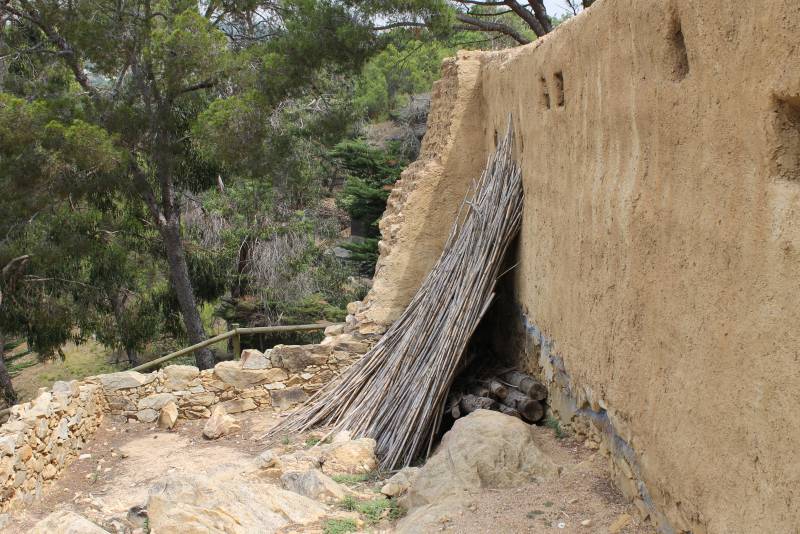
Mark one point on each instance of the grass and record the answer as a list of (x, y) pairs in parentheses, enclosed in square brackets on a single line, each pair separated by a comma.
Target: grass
[(375, 510), (555, 424), (310, 442), (351, 480), (340, 526)]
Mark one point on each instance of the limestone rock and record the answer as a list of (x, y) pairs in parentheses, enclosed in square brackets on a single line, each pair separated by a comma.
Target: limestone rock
[(66, 522), (219, 424), (298, 357), (177, 377), (199, 505), (168, 416), (69, 389), (155, 401), (239, 405), (313, 484), (334, 330), (399, 483), (355, 456), (231, 373), (255, 359), (125, 380), (288, 397), (485, 449), (7, 445), (268, 459), (148, 415)]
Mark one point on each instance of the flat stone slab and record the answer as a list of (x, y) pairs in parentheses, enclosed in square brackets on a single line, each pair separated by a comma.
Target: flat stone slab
[(125, 380)]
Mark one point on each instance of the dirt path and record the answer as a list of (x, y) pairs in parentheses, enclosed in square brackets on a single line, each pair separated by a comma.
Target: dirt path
[(582, 494), (127, 458)]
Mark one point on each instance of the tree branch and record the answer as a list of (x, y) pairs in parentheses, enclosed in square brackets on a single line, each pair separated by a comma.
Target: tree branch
[(474, 24)]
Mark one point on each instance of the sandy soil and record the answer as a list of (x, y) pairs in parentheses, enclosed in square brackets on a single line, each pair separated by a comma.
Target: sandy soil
[(127, 458), (583, 493)]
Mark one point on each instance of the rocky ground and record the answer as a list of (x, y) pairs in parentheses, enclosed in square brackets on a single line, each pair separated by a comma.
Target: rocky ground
[(492, 473)]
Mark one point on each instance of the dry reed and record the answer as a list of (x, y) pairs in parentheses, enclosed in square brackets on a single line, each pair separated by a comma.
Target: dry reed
[(397, 392)]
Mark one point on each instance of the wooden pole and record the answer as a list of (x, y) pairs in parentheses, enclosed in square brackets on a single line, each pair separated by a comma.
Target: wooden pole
[(237, 342)]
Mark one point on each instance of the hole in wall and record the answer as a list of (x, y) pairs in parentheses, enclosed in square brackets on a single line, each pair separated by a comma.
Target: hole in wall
[(786, 129), (544, 92), (559, 82), (679, 57), (495, 138)]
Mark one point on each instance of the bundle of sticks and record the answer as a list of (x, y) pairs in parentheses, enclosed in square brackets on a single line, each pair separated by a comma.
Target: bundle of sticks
[(510, 392), (396, 393)]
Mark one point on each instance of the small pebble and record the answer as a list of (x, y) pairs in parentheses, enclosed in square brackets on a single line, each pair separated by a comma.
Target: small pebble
[(586, 523)]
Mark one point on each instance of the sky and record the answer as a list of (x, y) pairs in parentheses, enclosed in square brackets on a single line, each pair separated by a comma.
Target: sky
[(555, 7)]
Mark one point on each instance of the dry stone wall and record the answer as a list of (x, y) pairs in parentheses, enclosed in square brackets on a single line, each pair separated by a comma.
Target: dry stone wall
[(43, 436)]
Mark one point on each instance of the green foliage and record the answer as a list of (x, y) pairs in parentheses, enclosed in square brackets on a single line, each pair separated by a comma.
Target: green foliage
[(340, 526), (351, 480), (373, 510), (554, 424), (403, 68)]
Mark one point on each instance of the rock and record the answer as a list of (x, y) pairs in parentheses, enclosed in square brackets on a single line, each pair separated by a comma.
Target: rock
[(148, 415), (66, 522), (620, 523), (288, 397), (25, 452), (298, 357), (268, 460), (399, 483), (355, 456), (200, 505), (313, 484), (63, 388), (485, 449), (7, 445), (342, 436), (302, 460), (85, 456), (586, 523), (50, 471), (334, 330), (255, 359), (177, 377), (125, 380), (155, 401), (219, 424), (168, 416), (200, 399), (239, 405), (231, 373)]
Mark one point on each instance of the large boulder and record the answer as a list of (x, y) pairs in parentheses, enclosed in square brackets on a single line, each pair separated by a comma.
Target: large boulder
[(354, 457), (125, 380), (189, 504), (485, 449), (66, 522), (313, 484), (231, 373), (399, 483), (177, 377), (219, 424)]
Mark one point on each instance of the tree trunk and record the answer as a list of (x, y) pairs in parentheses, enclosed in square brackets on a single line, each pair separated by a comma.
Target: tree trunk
[(118, 303), (528, 385), (9, 394), (179, 276)]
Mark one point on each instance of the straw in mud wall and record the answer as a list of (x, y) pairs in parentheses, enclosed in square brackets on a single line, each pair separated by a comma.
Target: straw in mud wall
[(396, 393)]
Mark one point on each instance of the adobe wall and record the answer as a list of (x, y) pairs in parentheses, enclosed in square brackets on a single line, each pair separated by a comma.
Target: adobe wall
[(658, 286)]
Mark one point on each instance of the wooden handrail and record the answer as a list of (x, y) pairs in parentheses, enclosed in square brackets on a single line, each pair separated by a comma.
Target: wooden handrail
[(235, 333)]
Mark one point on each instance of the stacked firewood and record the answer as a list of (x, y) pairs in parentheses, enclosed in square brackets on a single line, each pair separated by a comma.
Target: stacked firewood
[(510, 392)]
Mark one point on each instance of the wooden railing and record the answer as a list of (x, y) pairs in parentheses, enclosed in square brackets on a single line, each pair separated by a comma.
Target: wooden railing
[(237, 346)]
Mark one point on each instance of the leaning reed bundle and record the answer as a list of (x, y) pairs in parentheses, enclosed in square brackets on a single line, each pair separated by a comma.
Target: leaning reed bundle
[(397, 391)]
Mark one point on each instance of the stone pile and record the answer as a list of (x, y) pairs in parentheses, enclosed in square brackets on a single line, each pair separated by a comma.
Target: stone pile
[(43, 436)]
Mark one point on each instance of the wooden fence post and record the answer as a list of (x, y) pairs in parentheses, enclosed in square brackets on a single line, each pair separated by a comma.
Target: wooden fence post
[(237, 344)]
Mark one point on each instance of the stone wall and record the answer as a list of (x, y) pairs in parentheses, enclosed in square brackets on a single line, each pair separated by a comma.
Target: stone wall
[(656, 282), (42, 437), (281, 378)]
